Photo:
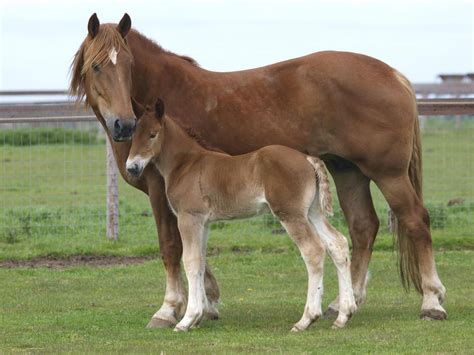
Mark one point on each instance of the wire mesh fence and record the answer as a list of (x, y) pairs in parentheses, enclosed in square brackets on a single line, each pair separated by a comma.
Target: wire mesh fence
[(53, 185)]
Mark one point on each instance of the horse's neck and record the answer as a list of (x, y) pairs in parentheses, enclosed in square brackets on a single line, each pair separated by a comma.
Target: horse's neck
[(159, 74), (178, 149)]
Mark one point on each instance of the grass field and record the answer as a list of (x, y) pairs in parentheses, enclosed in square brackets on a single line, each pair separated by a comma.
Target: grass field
[(84, 309), (52, 203)]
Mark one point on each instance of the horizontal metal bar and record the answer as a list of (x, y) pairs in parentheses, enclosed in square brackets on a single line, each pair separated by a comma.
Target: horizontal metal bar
[(445, 107), (69, 112), (49, 119), (32, 92)]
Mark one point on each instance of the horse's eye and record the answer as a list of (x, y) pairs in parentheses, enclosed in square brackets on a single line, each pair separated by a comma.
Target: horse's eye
[(153, 134), (96, 68)]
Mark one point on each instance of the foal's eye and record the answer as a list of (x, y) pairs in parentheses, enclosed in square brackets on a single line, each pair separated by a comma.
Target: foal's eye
[(153, 134), (96, 68)]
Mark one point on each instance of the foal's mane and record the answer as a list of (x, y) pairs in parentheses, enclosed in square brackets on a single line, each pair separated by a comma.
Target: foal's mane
[(96, 52)]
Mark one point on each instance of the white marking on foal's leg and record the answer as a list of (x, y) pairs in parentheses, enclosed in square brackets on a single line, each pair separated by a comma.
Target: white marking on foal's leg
[(193, 235), (312, 251), (113, 55), (338, 249)]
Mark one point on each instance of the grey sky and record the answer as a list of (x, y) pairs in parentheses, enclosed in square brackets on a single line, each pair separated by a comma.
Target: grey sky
[(420, 38)]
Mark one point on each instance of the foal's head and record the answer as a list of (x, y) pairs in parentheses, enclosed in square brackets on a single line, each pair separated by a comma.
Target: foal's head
[(146, 142), (101, 71)]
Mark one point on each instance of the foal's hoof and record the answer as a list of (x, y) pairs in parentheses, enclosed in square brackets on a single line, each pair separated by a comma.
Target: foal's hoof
[(180, 329), (433, 314), (330, 313), (159, 323)]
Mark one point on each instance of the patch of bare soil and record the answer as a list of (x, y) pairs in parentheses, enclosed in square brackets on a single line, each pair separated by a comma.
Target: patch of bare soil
[(77, 260)]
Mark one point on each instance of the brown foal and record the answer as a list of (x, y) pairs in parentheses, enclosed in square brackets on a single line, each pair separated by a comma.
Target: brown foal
[(203, 186), (355, 112)]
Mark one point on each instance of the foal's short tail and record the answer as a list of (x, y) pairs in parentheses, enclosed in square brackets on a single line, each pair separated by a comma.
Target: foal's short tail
[(322, 183)]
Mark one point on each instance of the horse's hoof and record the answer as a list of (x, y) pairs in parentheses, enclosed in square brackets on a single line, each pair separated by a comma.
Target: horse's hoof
[(159, 323), (338, 325), (180, 329), (212, 315), (295, 329), (330, 313), (433, 314)]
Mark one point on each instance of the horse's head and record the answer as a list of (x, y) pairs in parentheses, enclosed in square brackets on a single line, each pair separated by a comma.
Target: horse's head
[(147, 140), (101, 71)]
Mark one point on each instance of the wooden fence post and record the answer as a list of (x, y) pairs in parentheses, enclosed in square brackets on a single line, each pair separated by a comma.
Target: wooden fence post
[(112, 195)]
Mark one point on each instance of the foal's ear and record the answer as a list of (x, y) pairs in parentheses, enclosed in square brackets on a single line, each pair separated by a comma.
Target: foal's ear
[(159, 109), (93, 25), (124, 25), (138, 108)]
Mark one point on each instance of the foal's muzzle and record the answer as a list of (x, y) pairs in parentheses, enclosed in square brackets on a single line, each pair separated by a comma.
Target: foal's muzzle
[(134, 169)]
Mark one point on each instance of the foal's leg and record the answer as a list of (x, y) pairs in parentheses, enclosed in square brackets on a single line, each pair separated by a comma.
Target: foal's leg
[(312, 251), (171, 250), (414, 220), (354, 196), (338, 249), (193, 234)]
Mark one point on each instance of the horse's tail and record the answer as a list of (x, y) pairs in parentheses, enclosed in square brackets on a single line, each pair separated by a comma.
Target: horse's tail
[(322, 184), (407, 258)]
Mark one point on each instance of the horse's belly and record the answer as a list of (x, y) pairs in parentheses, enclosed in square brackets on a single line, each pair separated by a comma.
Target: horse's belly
[(238, 208)]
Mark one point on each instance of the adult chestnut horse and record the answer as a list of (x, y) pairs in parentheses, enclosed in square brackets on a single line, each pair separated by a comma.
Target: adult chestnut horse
[(357, 113)]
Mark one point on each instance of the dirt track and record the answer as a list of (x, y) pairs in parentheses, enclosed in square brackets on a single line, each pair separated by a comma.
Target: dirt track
[(79, 260)]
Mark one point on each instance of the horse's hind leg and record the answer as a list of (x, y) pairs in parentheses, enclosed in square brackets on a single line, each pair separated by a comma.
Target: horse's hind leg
[(413, 220), (338, 249), (312, 251), (354, 195)]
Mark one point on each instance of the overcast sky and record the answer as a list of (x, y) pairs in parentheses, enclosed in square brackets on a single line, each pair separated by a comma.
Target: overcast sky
[(420, 38)]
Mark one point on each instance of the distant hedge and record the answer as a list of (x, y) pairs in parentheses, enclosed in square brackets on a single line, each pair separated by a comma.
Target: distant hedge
[(35, 136)]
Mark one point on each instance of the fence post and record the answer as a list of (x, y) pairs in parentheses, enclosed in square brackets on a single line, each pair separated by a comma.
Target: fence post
[(112, 195)]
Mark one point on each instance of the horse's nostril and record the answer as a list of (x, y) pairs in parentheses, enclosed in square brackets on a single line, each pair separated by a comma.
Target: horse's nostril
[(118, 125), (133, 170)]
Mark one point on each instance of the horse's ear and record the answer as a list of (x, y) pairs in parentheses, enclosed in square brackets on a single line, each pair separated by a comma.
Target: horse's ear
[(124, 25), (138, 108), (93, 25), (159, 109)]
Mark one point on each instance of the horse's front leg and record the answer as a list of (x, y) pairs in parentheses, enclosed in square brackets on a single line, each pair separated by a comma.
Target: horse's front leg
[(171, 250), (194, 236)]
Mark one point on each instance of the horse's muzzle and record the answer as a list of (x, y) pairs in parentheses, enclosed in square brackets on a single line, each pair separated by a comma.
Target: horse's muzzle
[(123, 129)]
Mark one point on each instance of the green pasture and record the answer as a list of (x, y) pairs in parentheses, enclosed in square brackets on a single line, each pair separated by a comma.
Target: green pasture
[(85, 309), (52, 203)]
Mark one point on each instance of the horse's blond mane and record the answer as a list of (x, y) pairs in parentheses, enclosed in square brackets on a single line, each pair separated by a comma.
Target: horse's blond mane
[(94, 52)]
